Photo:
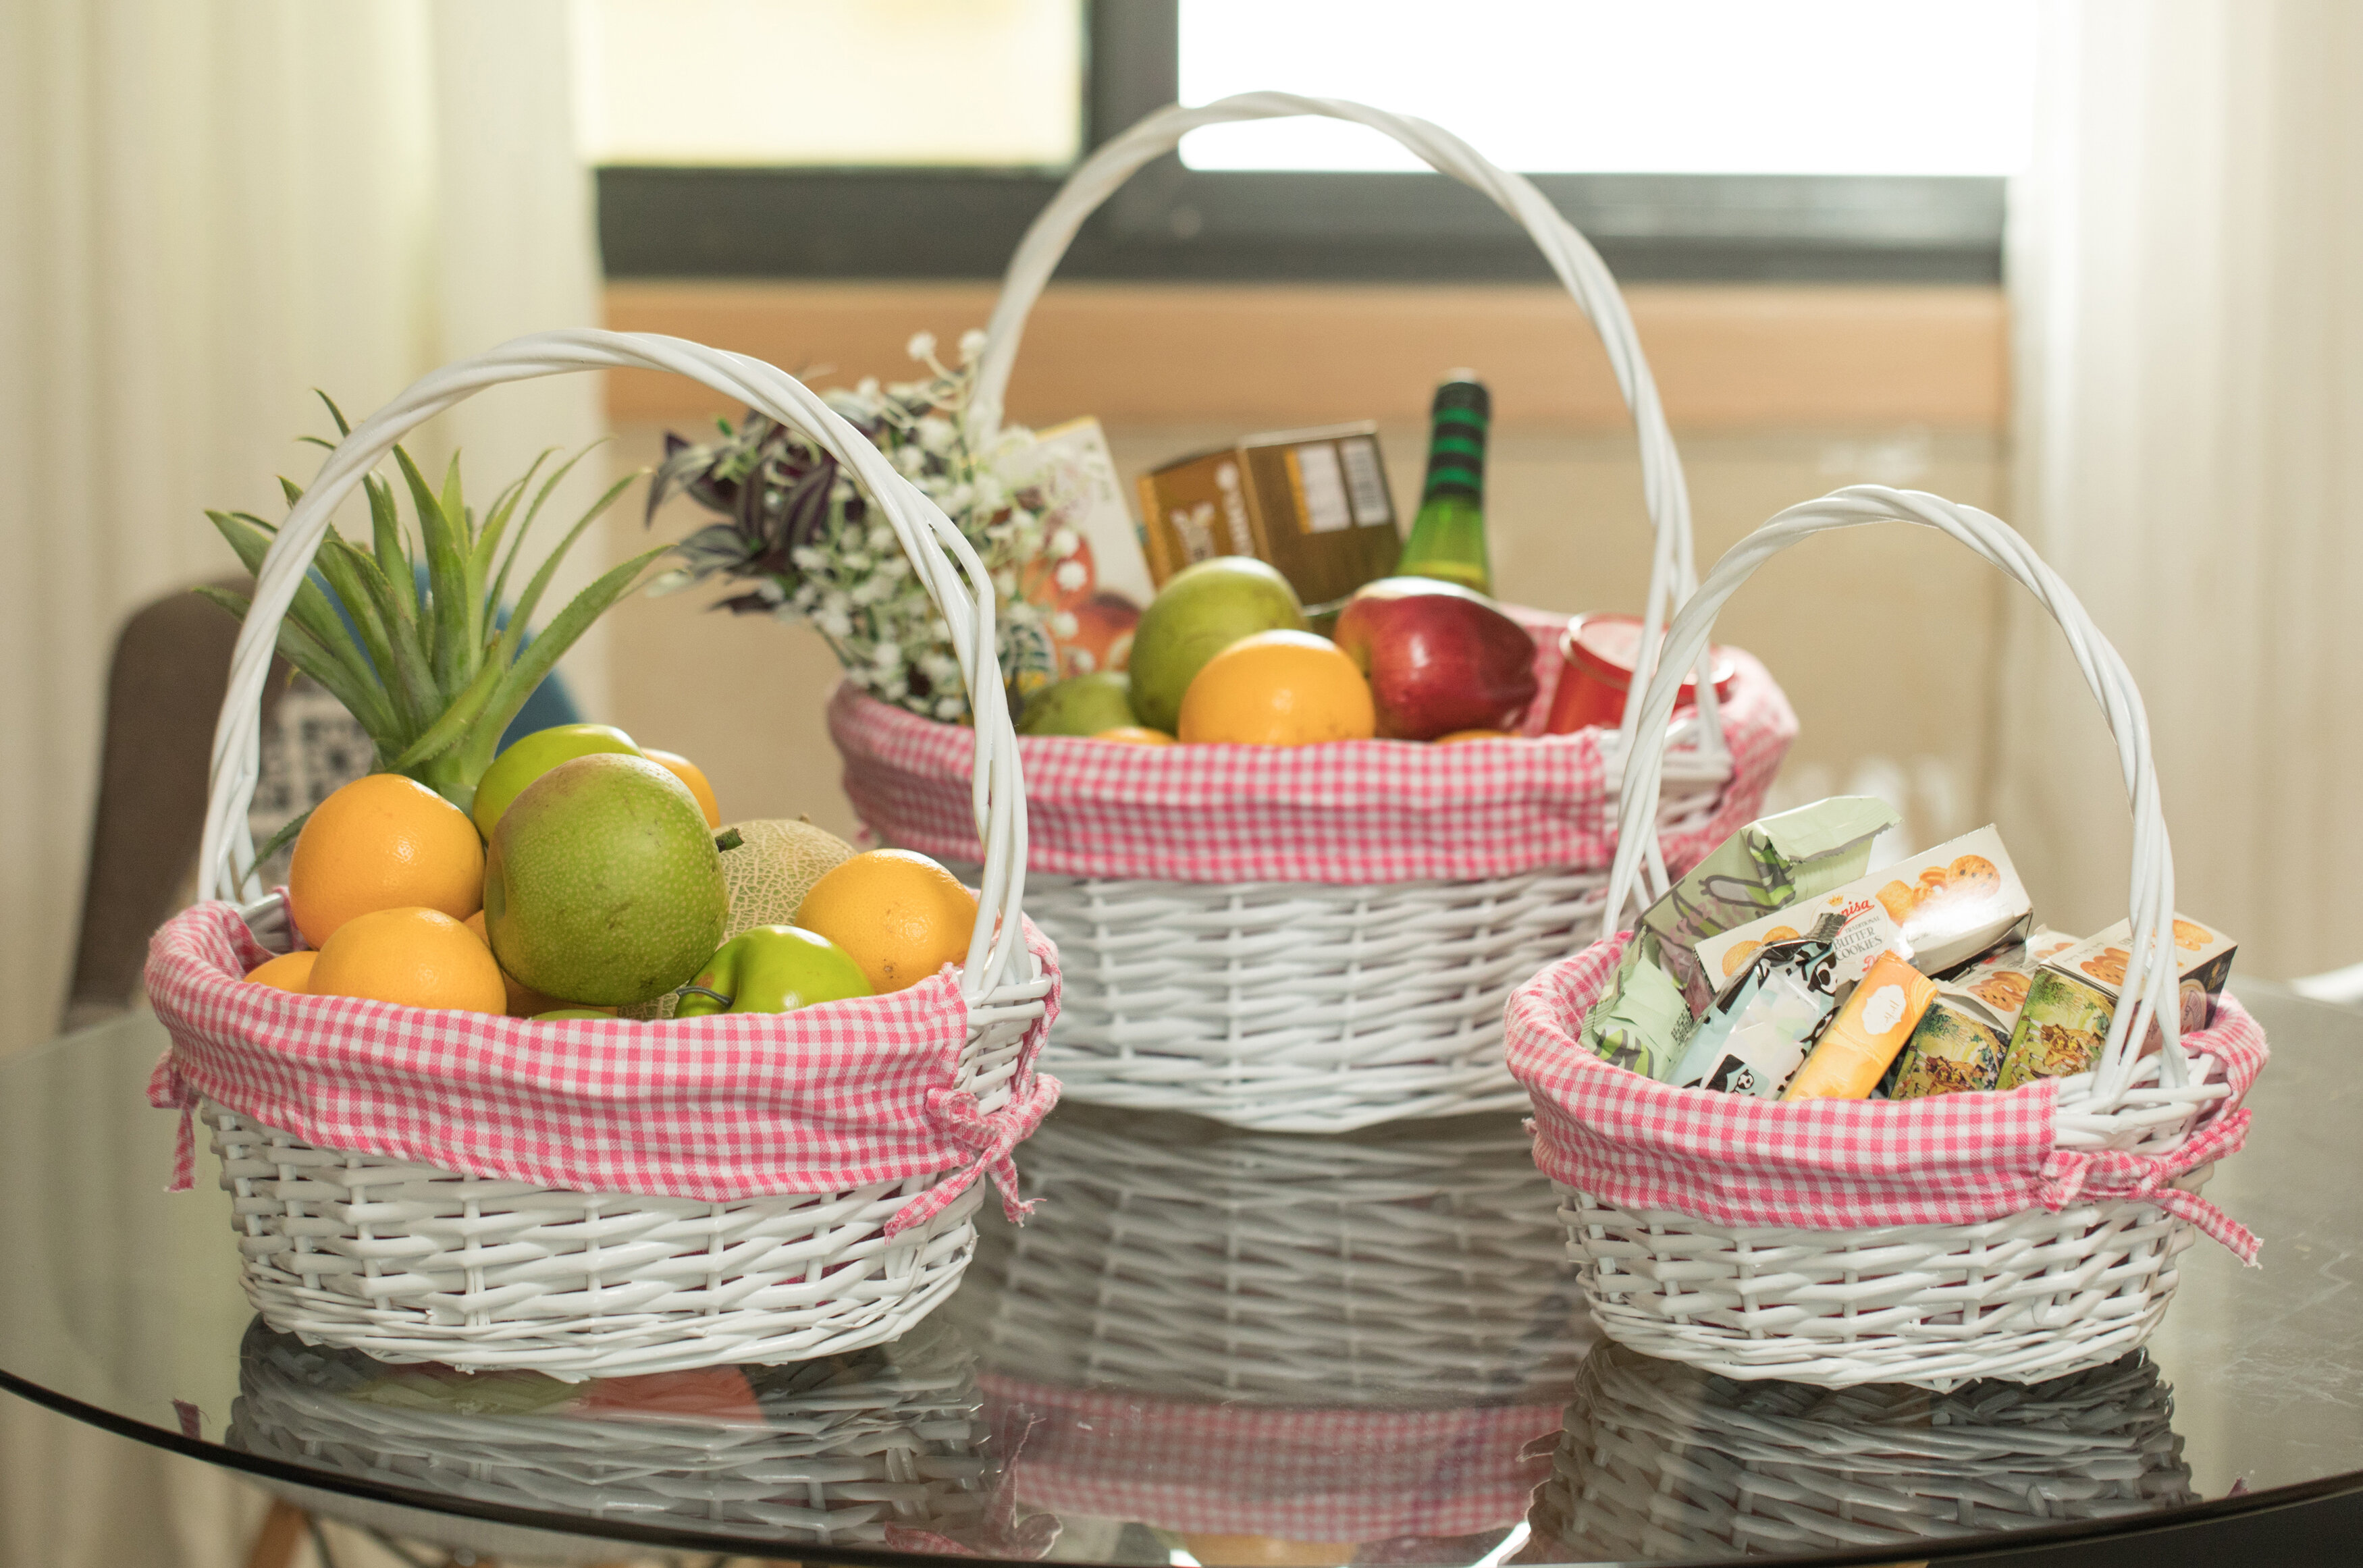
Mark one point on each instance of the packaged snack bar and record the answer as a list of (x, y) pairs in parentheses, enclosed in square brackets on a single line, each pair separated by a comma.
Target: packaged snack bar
[(1864, 932), (1755, 1042), (1965, 1034), (1764, 866), (2065, 1018), (1872, 1026), (1642, 1022)]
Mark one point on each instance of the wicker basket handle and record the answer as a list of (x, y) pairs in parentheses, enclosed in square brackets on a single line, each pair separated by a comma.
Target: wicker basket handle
[(2149, 973), (956, 580), (1674, 571)]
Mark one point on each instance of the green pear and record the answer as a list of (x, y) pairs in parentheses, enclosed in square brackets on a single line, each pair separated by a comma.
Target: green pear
[(1201, 610)]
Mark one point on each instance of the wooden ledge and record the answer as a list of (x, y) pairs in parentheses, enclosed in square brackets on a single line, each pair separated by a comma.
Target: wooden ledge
[(1726, 357)]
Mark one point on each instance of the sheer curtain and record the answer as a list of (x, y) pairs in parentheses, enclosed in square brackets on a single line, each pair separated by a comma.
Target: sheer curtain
[(2187, 280), (213, 206)]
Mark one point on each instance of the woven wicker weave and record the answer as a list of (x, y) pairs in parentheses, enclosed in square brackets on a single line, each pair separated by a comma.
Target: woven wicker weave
[(1303, 1007), (412, 1262), (1663, 1461)]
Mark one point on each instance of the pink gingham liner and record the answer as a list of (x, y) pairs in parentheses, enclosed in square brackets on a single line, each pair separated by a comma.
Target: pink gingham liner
[(1840, 1164), (1348, 812), (734, 1105), (1303, 1474)]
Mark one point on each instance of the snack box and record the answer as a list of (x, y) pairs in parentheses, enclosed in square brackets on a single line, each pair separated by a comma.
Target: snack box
[(2074, 997), (1315, 503), (1965, 1034), (1937, 909), (1091, 595)]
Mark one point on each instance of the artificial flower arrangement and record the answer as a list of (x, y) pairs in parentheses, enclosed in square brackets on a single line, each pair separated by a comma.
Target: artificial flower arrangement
[(814, 549)]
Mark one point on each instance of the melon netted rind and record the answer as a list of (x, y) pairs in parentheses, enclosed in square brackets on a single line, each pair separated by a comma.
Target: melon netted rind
[(771, 871)]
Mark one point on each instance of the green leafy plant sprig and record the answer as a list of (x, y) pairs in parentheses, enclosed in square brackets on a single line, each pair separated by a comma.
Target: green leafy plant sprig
[(433, 672)]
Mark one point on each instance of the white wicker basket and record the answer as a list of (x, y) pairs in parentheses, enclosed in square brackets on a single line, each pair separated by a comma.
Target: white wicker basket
[(1661, 1461), (2027, 1297), (1176, 1259), (415, 1264), (1305, 1007), (834, 1453)]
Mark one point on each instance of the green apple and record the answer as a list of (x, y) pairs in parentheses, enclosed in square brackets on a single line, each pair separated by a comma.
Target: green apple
[(532, 755)]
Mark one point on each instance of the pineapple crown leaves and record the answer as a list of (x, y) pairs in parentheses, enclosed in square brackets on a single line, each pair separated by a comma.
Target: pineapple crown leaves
[(425, 659)]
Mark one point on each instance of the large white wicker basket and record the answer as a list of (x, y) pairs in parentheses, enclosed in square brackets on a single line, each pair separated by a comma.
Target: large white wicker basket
[(411, 1263), (2026, 1297), (1310, 1007), (1662, 1461)]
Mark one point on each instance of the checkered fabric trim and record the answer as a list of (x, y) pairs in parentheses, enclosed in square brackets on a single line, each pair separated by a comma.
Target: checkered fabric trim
[(739, 1105), (1303, 1475), (1352, 812), (1838, 1165)]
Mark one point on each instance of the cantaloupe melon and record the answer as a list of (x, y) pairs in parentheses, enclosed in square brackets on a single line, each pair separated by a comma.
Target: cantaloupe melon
[(771, 871), (767, 874)]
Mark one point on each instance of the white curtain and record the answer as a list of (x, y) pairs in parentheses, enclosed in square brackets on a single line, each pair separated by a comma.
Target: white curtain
[(213, 206), (2186, 274)]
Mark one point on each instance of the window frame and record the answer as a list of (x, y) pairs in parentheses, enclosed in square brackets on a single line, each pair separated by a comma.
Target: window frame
[(1174, 223)]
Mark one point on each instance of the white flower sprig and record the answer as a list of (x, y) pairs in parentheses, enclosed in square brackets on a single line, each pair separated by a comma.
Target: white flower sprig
[(804, 536)]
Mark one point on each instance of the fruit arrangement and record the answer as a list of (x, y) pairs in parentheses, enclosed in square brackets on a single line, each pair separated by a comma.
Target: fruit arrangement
[(417, 635), (1225, 655), (589, 880)]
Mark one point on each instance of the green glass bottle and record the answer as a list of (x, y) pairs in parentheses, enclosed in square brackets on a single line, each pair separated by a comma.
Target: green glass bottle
[(1448, 537)]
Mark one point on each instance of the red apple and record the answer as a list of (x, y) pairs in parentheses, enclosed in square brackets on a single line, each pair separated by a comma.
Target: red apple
[(1439, 658)]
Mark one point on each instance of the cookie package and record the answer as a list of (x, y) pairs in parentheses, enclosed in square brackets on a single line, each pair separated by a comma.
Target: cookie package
[(2074, 995)]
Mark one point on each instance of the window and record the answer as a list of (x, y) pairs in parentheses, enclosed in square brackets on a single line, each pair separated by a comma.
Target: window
[(1689, 139)]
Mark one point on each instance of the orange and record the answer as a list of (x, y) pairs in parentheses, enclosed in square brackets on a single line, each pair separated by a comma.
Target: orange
[(1135, 734), (1456, 736), (289, 971), (413, 957), (383, 842), (689, 773), (1277, 689), (899, 916)]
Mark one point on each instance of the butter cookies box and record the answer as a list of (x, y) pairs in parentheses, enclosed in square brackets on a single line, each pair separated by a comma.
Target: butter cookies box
[(2068, 1009)]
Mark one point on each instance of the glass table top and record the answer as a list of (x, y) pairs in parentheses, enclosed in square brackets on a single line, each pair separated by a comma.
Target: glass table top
[(1210, 1347)]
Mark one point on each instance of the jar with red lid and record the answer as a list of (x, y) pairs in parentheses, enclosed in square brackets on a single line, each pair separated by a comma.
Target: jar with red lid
[(1596, 670)]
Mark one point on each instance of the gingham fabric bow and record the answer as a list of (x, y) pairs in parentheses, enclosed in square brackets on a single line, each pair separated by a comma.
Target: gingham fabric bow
[(990, 1139), (2114, 1175)]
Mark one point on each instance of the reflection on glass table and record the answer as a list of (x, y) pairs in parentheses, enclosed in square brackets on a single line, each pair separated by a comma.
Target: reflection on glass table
[(1256, 1343), (1662, 1460), (882, 1447), (1213, 1347)]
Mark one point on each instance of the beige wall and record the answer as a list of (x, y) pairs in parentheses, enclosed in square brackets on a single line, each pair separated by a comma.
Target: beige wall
[(1883, 639)]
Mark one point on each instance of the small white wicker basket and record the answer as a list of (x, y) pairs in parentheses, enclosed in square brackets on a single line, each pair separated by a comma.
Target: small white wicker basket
[(1661, 1461), (1308, 1007), (412, 1263), (2029, 1296)]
